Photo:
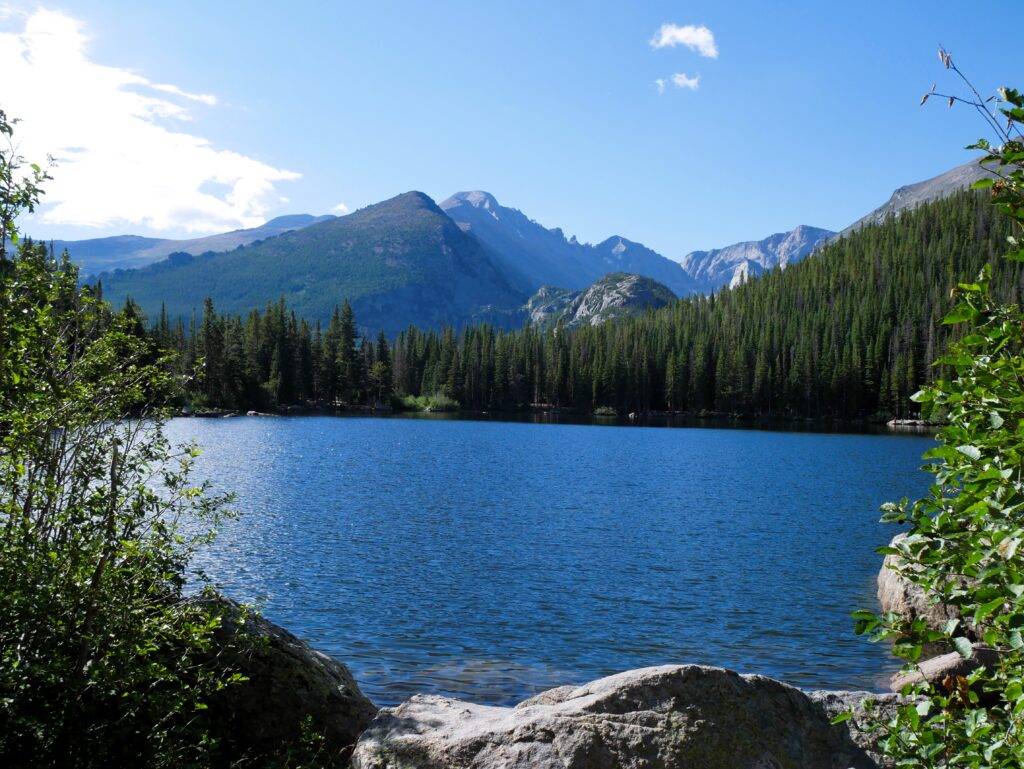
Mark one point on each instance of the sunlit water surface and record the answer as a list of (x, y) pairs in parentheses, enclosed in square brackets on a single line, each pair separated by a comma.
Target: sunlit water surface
[(491, 560)]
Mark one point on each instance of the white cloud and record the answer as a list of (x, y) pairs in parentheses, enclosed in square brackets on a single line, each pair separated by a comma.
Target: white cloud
[(682, 80), (341, 209), (699, 39), (121, 160), (678, 80)]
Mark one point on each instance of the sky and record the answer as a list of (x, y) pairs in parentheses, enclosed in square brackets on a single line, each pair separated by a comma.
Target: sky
[(682, 125)]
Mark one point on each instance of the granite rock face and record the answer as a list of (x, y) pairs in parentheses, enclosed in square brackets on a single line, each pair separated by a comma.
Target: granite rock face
[(683, 716), (912, 195), (736, 264), (616, 295)]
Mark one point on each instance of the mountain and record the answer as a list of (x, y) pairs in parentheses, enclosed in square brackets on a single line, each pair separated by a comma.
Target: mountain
[(540, 256), (616, 295), (96, 255), (399, 262), (735, 264), (913, 195), (622, 255)]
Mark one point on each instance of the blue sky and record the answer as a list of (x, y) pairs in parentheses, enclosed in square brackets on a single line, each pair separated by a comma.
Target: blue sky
[(807, 115)]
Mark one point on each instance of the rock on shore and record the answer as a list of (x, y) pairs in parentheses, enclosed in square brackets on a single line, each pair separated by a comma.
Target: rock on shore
[(290, 687), (654, 718), (899, 595)]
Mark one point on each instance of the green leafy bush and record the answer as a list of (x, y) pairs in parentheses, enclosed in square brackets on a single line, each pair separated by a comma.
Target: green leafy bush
[(963, 547), (101, 664)]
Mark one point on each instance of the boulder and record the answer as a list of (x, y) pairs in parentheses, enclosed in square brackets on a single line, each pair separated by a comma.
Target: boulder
[(684, 716), (899, 595), (292, 691)]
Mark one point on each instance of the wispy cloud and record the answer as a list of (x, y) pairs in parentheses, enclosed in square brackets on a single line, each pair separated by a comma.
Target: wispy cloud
[(122, 158), (682, 80), (341, 209), (678, 80), (696, 38)]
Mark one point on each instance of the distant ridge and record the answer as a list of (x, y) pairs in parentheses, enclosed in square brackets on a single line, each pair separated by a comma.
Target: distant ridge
[(408, 261), (542, 256), (735, 264), (913, 195), (120, 252)]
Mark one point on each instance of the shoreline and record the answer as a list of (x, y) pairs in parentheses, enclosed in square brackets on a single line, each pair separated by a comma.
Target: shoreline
[(556, 415)]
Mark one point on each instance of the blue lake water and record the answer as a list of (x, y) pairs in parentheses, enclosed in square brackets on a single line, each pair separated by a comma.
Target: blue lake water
[(491, 560)]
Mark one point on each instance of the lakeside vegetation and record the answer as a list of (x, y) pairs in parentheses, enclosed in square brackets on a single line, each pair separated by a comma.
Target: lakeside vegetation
[(962, 547), (105, 659), (101, 664)]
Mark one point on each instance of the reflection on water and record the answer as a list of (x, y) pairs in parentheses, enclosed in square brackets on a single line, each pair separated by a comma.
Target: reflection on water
[(491, 560)]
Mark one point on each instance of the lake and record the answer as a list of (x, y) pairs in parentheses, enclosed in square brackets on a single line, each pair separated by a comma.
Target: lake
[(491, 560)]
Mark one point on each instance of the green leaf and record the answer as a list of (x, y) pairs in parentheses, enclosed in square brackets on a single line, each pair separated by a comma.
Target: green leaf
[(923, 396), (961, 313), (972, 452), (963, 646), (986, 609)]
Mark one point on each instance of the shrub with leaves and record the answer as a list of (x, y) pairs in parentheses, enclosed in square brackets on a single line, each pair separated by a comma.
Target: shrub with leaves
[(964, 543), (101, 664)]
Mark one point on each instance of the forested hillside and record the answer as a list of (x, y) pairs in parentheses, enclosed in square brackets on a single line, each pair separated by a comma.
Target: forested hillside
[(847, 333)]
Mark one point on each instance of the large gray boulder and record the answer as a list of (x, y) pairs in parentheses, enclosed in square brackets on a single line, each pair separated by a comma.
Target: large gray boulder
[(292, 692), (685, 716)]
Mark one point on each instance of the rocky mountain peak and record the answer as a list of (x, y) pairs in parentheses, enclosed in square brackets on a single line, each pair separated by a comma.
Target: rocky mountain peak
[(475, 198)]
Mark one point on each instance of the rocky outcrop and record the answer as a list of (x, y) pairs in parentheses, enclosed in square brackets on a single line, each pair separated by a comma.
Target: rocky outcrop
[(653, 718), (616, 295), (549, 304), (291, 690)]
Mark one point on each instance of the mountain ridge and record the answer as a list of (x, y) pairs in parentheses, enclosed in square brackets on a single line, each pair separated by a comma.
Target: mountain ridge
[(934, 188), (399, 262), (477, 260), (734, 264), (95, 255), (544, 256)]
